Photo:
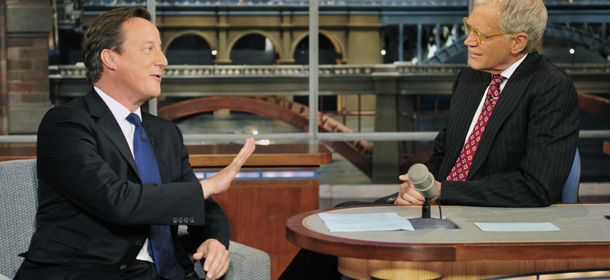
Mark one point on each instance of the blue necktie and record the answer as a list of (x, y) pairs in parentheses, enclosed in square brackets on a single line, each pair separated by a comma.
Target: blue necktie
[(160, 239)]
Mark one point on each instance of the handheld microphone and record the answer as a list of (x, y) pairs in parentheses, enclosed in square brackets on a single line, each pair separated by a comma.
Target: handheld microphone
[(423, 181)]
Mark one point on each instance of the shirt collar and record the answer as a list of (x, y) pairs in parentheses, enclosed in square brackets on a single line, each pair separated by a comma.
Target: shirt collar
[(511, 69), (119, 111)]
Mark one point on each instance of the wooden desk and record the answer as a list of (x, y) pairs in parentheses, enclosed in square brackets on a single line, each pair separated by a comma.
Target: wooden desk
[(278, 181), (465, 253), (275, 183)]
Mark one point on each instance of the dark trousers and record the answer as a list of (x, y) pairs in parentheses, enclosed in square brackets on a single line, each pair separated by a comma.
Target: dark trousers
[(144, 269), (141, 270), (308, 265), (312, 265), (138, 270)]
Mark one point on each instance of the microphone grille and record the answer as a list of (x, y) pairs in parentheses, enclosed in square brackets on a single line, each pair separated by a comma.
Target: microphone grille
[(417, 173)]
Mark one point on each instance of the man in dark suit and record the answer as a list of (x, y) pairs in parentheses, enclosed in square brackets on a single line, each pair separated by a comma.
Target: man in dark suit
[(97, 208), (527, 147), (521, 149)]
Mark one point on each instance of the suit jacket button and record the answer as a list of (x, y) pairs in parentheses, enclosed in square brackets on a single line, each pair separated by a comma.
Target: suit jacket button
[(180, 220), (192, 220), (139, 243), (123, 267), (175, 220)]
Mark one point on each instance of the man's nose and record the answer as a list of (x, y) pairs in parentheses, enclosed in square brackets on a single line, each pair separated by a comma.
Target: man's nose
[(470, 39), (161, 59)]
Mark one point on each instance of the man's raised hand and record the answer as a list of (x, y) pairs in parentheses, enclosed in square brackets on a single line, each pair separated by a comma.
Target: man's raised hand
[(222, 180)]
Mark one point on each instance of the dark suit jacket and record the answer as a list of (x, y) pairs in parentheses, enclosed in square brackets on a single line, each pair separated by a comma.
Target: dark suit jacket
[(94, 212), (529, 143)]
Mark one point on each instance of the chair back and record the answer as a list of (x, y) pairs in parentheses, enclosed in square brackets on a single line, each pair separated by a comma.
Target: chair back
[(19, 201), (570, 189)]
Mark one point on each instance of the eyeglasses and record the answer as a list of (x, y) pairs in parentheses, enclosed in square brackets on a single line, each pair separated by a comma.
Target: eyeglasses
[(478, 35)]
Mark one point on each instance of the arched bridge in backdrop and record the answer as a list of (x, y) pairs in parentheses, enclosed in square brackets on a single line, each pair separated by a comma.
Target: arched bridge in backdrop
[(295, 114)]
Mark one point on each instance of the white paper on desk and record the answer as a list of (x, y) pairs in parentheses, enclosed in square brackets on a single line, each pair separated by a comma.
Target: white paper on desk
[(545, 226), (365, 222)]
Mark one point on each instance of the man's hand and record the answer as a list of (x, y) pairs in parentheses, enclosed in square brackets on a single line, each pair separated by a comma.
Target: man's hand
[(408, 195), (222, 180), (216, 258)]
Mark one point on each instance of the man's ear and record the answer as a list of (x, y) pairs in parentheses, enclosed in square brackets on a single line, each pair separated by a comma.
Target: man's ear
[(108, 59), (519, 42)]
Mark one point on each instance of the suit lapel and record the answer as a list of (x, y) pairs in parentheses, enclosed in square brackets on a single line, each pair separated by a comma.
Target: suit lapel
[(473, 97), (466, 100), (107, 123), (512, 94)]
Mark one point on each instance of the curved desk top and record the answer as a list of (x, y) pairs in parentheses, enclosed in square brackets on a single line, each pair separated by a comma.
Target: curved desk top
[(585, 233)]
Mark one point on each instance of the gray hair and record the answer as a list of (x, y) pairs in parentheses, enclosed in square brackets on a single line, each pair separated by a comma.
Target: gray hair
[(529, 16)]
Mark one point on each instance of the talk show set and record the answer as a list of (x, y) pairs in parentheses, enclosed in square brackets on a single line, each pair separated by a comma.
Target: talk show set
[(304, 140)]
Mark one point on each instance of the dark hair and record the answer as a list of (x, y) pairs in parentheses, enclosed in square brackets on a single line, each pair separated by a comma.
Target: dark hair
[(106, 32)]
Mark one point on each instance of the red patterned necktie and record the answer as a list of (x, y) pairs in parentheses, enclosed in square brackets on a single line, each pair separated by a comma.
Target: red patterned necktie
[(460, 170)]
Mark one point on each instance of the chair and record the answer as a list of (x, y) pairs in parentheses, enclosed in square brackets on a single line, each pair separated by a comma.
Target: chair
[(18, 184), (18, 187), (570, 189)]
